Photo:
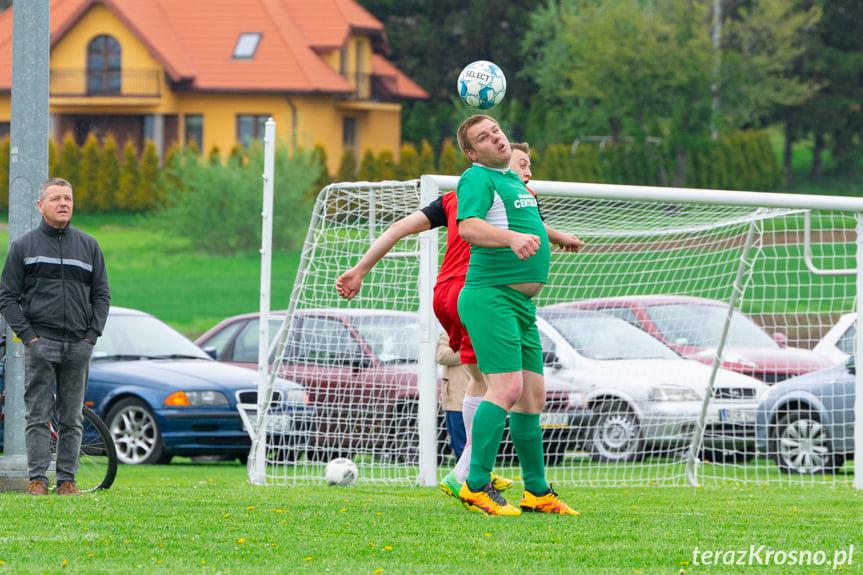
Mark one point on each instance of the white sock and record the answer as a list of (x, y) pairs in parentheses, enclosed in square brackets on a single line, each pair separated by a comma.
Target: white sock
[(462, 466), (468, 409)]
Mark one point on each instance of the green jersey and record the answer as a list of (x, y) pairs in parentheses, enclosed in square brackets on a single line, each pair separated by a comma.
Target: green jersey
[(500, 198)]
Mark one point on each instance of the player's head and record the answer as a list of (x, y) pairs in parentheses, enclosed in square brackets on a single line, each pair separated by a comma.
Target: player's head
[(520, 161), (483, 142)]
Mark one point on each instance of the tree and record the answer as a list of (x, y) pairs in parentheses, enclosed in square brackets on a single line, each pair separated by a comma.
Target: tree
[(69, 163), (127, 184), (426, 160), (368, 167), (319, 153), (108, 177), (646, 68), (88, 184), (146, 194), (408, 166), (347, 166), (447, 161)]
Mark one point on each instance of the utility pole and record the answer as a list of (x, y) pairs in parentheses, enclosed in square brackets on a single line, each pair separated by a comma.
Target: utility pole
[(28, 168), (717, 62)]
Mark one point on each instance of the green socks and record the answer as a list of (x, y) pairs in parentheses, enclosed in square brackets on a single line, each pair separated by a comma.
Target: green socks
[(527, 438), (486, 433)]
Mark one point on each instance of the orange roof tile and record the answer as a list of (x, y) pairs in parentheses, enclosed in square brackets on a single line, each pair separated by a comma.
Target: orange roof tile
[(194, 41)]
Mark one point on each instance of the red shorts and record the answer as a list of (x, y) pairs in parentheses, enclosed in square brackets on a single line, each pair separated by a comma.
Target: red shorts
[(446, 309)]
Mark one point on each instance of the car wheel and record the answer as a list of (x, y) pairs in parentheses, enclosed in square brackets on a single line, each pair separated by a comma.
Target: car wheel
[(801, 445), (616, 436), (136, 433)]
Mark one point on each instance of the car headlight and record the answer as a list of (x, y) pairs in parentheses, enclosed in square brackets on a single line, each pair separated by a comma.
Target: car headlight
[(672, 393), (577, 399), (208, 398)]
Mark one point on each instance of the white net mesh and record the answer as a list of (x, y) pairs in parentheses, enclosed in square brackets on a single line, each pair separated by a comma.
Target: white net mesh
[(632, 323)]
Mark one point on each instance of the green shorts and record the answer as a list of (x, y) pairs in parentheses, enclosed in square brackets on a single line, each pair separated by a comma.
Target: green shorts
[(501, 323)]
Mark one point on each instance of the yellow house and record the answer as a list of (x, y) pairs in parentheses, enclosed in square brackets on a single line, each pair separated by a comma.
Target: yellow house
[(213, 72)]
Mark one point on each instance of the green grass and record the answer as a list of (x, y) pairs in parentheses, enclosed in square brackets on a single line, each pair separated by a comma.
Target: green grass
[(191, 291), (196, 518)]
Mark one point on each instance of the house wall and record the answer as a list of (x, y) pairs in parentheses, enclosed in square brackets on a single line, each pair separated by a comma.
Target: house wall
[(303, 120)]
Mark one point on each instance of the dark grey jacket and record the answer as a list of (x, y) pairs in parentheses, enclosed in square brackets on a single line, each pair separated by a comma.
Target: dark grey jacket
[(54, 284)]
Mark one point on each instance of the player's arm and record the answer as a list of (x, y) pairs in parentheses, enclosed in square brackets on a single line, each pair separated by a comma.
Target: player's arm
[(567, 242), (348, 284), (478, 232)]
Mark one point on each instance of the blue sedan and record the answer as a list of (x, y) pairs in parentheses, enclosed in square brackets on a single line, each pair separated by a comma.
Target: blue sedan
[(161, 396)]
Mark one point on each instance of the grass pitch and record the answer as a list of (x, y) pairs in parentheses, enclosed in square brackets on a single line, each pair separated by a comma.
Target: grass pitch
[(205, 518)]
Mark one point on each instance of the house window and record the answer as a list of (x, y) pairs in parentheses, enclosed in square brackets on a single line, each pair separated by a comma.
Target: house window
[(251, 127), (349, 132), (195, 130), (104, 69), (247, 45)]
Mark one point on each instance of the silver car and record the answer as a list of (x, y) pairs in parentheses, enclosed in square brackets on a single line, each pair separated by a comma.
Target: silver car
[(644, 397), (806, 423)]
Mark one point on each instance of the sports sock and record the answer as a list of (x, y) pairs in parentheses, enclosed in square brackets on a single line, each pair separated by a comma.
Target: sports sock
[(527, 438), (469, 405), (468, 409), (486, 433)]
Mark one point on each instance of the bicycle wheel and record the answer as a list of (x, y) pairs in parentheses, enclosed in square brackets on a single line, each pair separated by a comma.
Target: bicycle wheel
[(97, 460)]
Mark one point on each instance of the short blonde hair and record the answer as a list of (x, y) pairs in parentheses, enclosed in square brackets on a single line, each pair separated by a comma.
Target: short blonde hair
[(461, 135), (521, 147)]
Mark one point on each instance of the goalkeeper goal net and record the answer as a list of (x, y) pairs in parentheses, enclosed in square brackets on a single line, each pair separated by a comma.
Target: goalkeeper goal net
[(699, 337)]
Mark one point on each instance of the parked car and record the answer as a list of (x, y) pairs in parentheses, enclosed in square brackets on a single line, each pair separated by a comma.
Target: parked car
[(806, 423), (838, 343), (360, 370), (161, 395), (644, 397), (692, 327)]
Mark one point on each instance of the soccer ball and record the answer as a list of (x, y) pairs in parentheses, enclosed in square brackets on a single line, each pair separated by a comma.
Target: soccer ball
[(341, 471), (481, 85)]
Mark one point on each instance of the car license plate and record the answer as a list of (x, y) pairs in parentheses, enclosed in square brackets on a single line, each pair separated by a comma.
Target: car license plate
[(732, 416), (554, 420)]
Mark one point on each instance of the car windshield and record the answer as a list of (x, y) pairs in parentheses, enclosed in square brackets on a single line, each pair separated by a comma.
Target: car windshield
[(701, 326), (392, 338), (143, 336), (606, 337)]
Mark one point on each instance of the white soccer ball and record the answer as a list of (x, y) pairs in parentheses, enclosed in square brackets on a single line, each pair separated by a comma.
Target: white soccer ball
[(482, 85), (341, 471)]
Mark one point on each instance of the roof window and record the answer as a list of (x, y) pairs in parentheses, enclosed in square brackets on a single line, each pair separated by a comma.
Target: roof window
[(247, 45)]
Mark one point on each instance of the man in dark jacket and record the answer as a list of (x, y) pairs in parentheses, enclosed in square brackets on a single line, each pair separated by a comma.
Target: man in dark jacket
[(54, 295)]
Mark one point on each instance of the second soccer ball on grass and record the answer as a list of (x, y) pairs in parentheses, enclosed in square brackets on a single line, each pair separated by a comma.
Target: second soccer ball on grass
[(341, 472)]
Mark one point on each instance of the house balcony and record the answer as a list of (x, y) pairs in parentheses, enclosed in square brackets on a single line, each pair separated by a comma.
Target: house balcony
[(372, 87), (134, 84)]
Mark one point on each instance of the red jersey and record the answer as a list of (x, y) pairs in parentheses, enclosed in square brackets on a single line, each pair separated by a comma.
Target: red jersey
[(443, 212)]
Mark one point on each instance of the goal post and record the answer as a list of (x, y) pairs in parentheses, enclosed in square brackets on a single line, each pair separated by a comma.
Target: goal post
[(781, 265)]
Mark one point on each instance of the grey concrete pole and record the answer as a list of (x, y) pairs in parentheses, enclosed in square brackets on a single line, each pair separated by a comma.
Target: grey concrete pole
[(28, 168)]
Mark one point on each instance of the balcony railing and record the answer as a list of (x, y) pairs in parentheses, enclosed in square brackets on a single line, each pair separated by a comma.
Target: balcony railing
[(69, 83), (374, 87)]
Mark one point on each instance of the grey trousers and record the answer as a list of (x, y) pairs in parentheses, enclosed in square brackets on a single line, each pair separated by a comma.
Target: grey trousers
[(47, 362)]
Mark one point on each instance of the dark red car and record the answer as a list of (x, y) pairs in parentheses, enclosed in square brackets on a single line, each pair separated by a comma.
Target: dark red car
[(359, 368), (692, 326)]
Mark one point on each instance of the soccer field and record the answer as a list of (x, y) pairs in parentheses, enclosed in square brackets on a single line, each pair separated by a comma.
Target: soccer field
[(205, 518)]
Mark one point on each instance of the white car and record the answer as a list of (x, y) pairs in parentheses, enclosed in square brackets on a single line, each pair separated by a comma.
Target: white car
[(838, 343), (645, 398)]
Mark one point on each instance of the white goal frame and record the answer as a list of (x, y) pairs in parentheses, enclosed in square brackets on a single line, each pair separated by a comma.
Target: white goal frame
[(431, 186)]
